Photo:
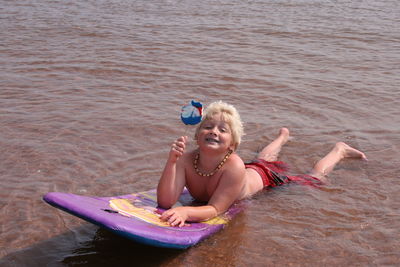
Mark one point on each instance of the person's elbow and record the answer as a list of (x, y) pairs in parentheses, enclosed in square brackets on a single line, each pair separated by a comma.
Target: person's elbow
[(215, 210), (164, 203)]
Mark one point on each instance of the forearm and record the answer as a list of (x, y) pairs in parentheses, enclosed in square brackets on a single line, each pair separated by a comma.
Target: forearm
[(202, 213), (167, 189), (178, 216), (172, 179)]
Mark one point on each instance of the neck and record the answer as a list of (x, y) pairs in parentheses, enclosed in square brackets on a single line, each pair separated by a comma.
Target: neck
[(208, 160)]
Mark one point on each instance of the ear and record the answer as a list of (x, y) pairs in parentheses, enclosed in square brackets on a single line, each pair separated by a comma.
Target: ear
[(232, 147)]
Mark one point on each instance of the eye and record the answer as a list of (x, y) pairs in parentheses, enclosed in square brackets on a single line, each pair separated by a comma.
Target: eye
[(225, 129)]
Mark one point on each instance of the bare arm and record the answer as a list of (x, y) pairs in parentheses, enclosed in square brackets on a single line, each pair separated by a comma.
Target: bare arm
[(178, 216), (230, 186), (172, 180)]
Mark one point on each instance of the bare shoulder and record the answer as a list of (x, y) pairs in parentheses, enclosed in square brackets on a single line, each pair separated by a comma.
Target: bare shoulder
[(234, 166), (235, 160)]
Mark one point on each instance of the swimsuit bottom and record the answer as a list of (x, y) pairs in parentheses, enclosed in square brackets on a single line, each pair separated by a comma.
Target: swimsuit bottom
[(273, 173)]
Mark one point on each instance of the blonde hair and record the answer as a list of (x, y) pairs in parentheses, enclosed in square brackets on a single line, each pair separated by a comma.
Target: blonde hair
[(230, 115)]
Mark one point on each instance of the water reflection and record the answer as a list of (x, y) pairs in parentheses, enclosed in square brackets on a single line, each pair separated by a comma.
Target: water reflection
[(106, 249)]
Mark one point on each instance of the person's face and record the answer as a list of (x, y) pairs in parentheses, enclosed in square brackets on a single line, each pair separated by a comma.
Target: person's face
[(215, 134)]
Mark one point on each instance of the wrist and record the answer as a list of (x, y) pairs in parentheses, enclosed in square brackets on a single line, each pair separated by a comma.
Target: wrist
[(172, 159)]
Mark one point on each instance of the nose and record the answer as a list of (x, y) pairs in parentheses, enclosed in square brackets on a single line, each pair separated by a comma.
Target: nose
[(213, 131)]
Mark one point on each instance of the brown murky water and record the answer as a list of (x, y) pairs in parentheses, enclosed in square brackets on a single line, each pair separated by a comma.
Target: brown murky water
[(90, 95)]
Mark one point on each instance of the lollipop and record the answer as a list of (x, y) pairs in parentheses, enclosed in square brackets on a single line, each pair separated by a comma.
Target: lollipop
[(192, 113)]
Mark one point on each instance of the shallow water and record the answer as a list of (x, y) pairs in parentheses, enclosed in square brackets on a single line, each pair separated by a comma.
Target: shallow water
[(90, 95)]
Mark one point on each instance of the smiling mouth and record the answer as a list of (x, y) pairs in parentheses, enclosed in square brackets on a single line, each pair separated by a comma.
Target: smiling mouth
[(212, 140)]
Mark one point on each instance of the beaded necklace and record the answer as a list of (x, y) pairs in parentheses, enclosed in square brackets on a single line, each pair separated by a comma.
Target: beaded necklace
[(196, 159)]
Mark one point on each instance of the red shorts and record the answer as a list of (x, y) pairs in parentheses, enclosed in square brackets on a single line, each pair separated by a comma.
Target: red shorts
[(273, 173)]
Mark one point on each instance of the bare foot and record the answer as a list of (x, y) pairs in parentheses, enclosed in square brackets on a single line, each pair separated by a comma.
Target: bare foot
[(349, 152), (271, 151), (285, 134), (339, 152)]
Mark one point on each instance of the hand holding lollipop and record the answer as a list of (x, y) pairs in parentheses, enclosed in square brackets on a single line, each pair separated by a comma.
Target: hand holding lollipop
[(190, 115)]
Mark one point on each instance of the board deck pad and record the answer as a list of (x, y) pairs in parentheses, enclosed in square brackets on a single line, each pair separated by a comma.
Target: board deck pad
[(137, 217)]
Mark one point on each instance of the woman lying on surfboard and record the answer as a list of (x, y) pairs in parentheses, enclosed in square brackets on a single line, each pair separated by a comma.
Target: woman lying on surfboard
[(215, 174)]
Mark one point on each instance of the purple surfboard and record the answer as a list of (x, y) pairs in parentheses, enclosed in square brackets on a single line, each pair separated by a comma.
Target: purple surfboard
[(136, 217)]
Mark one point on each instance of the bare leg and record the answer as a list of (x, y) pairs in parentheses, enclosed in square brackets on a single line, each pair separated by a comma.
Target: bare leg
[(271, 151), (254, 182), (339, 152)]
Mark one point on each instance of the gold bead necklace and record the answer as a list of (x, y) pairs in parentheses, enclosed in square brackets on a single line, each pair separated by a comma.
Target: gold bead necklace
[(196, 159)]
